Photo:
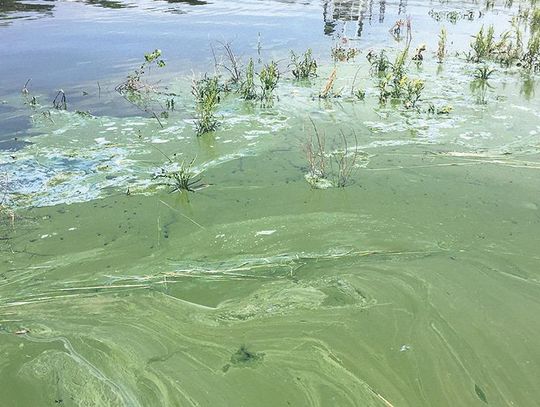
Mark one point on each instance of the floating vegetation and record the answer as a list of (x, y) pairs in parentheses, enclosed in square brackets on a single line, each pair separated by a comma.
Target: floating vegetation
[(207, 97), (342, 52), (454, 16), (244, 357), (303, 67), (329, 168)]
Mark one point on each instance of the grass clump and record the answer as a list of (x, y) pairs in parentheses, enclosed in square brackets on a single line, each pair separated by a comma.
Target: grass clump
[(483, 45), (207, 97), (248, 89), (342, 53), (180, 177), (441, 48), (268, 77), (135, 85), (330, 168), (380, 64), (396, 85), (303, 67)]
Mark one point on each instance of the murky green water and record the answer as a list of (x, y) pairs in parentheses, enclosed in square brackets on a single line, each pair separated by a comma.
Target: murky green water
[(416, 285)]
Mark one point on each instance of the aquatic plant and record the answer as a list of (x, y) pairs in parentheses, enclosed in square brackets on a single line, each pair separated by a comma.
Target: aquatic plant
[(268, 77), (247, 89), (207, 97), (531, 58), (328, 90), (441, 49), (179, 178), (535, 20), (397, 85), (230, 62), (60, 101), (483, 73), (330, 168), (379, 62), (483, 45), (412, 90), (341, 52), (304, 67), (360, 94), (134, 84)]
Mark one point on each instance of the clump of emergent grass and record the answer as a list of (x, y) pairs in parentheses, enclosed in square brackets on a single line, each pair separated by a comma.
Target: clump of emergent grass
[(268, 78), (207, 97), (396, 85), (330, 168), (480, 84), (483, 45), (135, 85), (531, 58), (341, 52), (248, 90), (180, 177), (483, 73), (380, 64), (303, 67), (441, 48)]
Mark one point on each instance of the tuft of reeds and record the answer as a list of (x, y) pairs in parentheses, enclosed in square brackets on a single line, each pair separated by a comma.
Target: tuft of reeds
[(179, 178), (268, 78), (248, 89), (330, 168), (441, 49), (303, 67), (379, 62), (342, 52), (207, 97)]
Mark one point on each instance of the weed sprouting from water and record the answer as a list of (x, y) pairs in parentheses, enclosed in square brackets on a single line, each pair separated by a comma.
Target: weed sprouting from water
[(230, 62), (248, 89), (342, 52), (483, 45), (207, 97), (60, 101), (379, 62), (441, 49), (330, 168), (303, 67), (483, 73), (179, 177), (480, 84), (397, 85), (268, 77)]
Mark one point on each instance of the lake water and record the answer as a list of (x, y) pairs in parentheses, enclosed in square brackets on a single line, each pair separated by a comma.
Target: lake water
[(417, 284)]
